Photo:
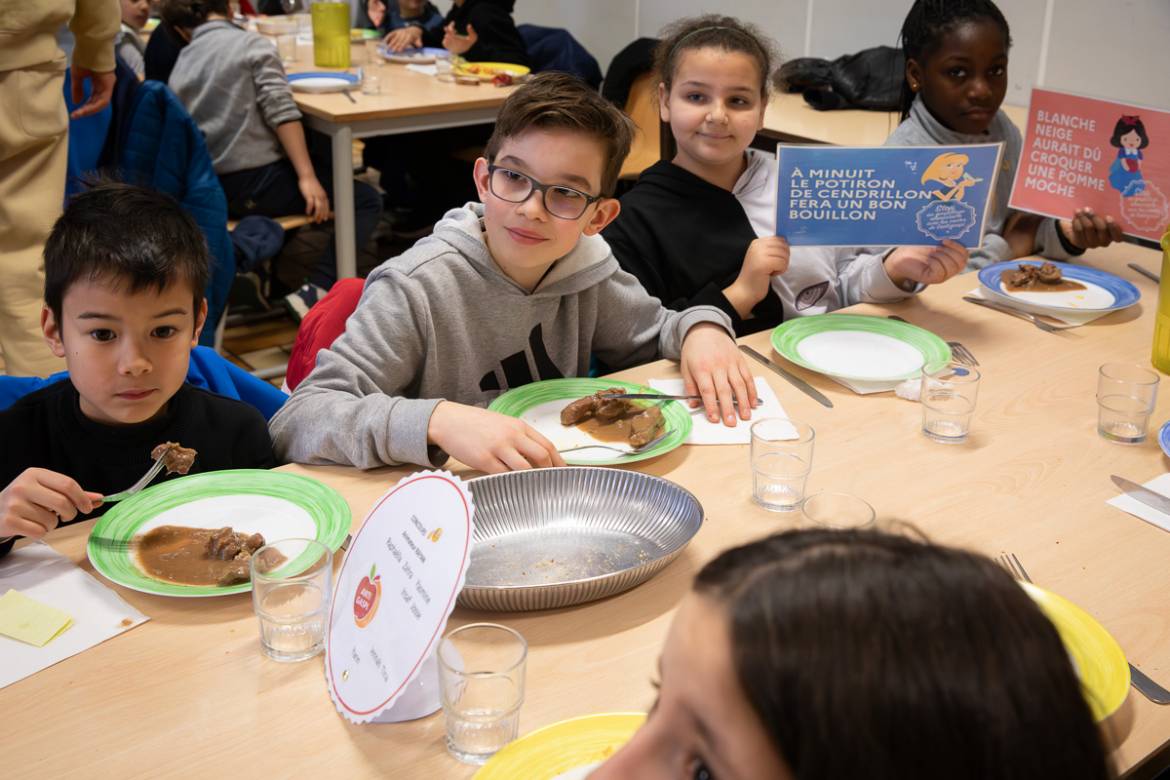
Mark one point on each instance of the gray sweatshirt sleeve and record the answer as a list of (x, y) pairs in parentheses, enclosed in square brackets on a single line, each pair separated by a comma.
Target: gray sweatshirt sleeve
[(273, 94), (634, 326), (351, 409)]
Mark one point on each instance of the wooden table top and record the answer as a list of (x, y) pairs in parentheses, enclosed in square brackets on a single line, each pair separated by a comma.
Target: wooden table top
[(790, 118), (166, 697), (404, 94)]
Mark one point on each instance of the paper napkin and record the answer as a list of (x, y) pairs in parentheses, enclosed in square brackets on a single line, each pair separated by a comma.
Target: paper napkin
[(706, 432), (1138, 509), (29, 620), (49, 579)]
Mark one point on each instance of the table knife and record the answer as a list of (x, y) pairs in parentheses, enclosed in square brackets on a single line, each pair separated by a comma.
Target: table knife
[(1143, 494), (796, 381)]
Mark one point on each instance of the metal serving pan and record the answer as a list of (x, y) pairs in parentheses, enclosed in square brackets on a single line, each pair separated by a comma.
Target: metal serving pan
[(550, 538)]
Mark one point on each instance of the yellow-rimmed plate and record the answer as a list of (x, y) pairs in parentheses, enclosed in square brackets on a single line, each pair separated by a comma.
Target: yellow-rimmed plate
[(1098, 658), (486, 71), (566, 749)]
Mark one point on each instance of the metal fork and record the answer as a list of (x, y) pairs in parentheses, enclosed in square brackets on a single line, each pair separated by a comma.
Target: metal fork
[(622, 450), (1148, 688), (1023, 315), (147, 478), (958, 351)]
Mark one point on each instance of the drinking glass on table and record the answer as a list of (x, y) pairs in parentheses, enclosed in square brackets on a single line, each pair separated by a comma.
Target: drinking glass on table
[(948, 400), (286, 47), (837, 510), (781, 459), (481, 686), (373, 56), (291, 584), (1125, 399)]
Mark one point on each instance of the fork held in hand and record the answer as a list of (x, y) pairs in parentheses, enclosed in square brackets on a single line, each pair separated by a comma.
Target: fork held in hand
[(147, 478), (1138, 679)]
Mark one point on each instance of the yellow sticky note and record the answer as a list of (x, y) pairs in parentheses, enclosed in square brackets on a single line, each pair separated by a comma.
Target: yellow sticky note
[(30, 621)]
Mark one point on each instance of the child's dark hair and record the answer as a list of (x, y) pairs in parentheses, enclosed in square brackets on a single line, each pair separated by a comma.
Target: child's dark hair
[(925, 661), (129, 236), (713, 31), (561, 101), (1128, 124), (189, 14), (929, 20)]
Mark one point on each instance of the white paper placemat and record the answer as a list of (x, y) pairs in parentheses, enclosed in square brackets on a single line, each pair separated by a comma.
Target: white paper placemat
[(1138, 509), (426, 70), (1068, 317), (45, 575), (707, 432)]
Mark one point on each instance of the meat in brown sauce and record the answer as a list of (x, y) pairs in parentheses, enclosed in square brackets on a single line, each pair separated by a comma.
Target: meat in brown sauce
[(1046, 277), (176, 458), (614, 419), (201, 556)]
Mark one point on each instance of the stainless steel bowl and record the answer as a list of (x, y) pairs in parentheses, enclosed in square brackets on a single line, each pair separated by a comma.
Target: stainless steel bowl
[(550, 538)]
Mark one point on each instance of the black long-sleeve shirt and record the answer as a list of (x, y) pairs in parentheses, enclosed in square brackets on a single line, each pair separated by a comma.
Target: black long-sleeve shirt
[(685, 239), (48, 430), (498, 40)]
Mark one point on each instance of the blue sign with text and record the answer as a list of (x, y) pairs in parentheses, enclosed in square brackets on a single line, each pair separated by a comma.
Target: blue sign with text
[(886, 195)]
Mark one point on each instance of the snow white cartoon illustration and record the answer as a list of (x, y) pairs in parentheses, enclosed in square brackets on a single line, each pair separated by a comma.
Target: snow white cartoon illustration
[(948, 170), (1130, 137)]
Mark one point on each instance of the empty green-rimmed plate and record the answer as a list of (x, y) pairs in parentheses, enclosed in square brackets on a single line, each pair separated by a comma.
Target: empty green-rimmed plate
[(857, 347), (272, 503), (540, 403)]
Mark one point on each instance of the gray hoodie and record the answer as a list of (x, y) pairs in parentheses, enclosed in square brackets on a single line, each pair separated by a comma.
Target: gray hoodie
[(443, 322), (922, 129)]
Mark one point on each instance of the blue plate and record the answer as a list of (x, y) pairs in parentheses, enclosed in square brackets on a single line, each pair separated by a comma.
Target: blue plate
[(1124, 294), (1164, 438), (323, 81), (423, 56)]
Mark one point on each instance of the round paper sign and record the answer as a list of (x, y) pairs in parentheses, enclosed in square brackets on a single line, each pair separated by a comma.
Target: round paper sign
[(396, 589)]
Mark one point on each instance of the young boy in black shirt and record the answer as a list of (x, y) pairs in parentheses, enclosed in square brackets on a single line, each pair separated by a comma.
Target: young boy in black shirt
[(125, 270)]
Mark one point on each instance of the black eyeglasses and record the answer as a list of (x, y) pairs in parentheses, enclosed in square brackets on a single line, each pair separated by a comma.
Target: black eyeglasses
[(515, 187)]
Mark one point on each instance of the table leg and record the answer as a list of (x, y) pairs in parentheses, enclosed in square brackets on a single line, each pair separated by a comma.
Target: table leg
[(343, 218)]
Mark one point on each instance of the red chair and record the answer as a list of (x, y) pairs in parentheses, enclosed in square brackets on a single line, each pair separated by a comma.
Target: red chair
[(320, 327)]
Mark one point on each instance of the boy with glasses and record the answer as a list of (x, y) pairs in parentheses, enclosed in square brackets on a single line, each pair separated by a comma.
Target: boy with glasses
[(512, 290)]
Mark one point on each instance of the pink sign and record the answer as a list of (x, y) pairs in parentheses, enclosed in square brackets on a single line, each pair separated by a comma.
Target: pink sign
[(1111, 157)]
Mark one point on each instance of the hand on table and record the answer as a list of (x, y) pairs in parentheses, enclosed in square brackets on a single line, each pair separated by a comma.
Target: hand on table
[(714, 368), (38, 499), (926, 264), (404, 38), (101, 90), (456, 43), (316, 201), (489, 441), (1088, 231), (766, 257)]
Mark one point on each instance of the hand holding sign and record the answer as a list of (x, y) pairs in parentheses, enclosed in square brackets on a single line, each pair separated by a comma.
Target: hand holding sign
[(766, 257), (926, 264)]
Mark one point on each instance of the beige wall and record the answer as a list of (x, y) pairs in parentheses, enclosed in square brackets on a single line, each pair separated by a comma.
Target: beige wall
[(1111, 48)]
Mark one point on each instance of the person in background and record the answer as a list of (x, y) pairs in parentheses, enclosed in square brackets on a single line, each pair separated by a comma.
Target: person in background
[(34, 150), (823, 655), (403, 13), (129, 45), (956, 79), (477, 30), (232, 83)]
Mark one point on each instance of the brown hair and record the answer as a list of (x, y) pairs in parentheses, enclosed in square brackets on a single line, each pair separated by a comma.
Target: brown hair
[(718, 32), (867, 654), (188, 14), (558, 100)]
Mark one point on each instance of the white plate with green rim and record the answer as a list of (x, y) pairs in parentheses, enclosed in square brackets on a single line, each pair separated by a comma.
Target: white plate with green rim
[(539, 404), (272, 503), (859, 348)]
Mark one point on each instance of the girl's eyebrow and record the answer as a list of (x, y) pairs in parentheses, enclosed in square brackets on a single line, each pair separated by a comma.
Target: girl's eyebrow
[(736, 88)]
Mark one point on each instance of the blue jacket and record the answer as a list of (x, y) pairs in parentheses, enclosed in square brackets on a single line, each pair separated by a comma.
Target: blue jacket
[(159, 146), (207, 370), (551, 48)]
